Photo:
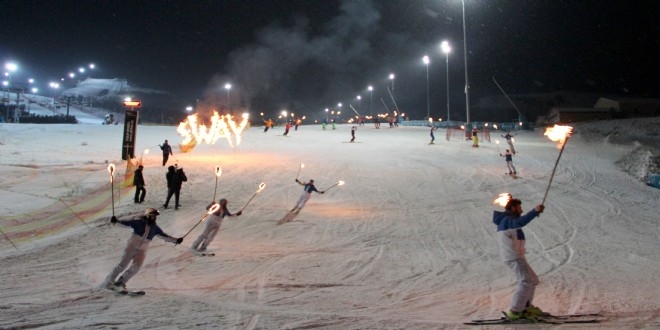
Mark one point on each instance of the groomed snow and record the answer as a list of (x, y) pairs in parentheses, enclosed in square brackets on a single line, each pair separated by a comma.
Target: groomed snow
[(406, 243)]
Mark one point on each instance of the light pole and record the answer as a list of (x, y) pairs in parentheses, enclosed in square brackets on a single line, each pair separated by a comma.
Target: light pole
[(446, 49), (327, 119), (371, 101), (228, 87), (467, 84), (426, 61), (359, 98), (392, 78)]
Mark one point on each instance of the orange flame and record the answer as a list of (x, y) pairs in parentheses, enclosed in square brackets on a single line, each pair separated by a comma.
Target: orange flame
[(502, 199), (221, 126), (558, 133)]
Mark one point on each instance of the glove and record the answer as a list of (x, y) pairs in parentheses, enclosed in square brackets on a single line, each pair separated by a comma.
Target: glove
[(179, 241), (540, 208), (297, 180), (113, 220), (239, 213), (322, 192)]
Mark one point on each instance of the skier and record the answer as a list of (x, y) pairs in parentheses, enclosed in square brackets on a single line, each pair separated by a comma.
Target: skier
[(508, 137), (287, 127), (353, 129), (509, 161), (306, 195), (298, 123), (433, 128), (213, 225), (138, 182), (511, 241), (175, 178), (144, 230), (268, 124), (475, 139), (167, 151)]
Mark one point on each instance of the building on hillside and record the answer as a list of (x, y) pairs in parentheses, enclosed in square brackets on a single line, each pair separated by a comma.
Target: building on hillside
[(572, 115), (630, 107)]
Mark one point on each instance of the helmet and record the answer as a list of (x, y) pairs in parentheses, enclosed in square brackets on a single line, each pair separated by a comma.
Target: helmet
[(222, 201), (151, 212)]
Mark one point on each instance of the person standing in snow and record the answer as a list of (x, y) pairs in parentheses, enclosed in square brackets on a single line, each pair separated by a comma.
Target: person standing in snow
[(511, 241), (475, 139), (138, 182), (509, 140), (353, 129), (306, 195), (175, 178), (167, 151), (213, 225), (433, 128), (509, 161), (144, 230)]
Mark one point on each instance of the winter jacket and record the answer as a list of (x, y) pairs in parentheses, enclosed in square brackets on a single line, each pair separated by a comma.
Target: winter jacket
[(178, 178), (139, 225), (138, 179), (510, 236), (169, 176), (167, 150)]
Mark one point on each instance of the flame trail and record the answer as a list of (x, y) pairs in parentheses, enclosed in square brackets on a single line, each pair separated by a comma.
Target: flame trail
[(225, 126), (502, 199)]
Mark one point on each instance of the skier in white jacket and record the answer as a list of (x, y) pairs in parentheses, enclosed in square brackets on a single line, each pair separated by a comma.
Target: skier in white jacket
[(213, 225), (511, 240)]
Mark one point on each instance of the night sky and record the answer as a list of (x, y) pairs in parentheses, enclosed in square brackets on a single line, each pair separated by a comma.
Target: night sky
[(308, 55)]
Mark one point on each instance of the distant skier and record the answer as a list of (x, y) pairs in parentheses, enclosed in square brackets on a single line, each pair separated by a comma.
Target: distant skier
[(287, 127), (306, 195), (475, 139), (511, 241), (138, 182), (353, 129), (268, 124), (167, 151), (433, 128), (509, 161), (509, 139), (144, 230), (213, 226)]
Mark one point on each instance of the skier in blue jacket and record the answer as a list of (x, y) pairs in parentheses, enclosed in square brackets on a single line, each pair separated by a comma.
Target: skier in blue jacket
[(511, 241), (306, 195), (144, 230)]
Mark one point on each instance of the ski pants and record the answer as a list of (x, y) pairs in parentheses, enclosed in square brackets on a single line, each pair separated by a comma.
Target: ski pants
[(526, 282), (303, 200), (175, 192), (165, 158), (206, 237), (134, 254), (509, 164), (513, 150), (139, 198)]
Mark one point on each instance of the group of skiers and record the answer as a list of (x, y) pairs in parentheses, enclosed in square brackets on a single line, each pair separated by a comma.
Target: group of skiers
[(510, 236)]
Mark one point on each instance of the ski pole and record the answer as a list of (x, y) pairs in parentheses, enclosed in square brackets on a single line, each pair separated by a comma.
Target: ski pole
[(261, 187), (218, 173), (211, 210), (111, 170), (339, 183), (74, 213), (301, 166), (12, 243)]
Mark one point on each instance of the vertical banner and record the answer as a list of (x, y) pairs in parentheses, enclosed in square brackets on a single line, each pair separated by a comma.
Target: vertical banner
[(130, 126)]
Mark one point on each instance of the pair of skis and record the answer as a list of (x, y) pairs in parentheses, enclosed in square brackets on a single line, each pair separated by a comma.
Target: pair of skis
[(548, 319)]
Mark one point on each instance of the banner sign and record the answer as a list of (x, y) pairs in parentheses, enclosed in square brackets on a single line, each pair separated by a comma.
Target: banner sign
[(130, 126)]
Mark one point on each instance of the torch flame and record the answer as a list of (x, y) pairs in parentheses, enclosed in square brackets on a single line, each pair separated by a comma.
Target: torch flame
[(502, 199), (495, 126), (341, 183), (302, 165), (146, 151), (261, 187), (497, 142), (558, 133), (218, 171), (221, 126), (111, 169), (213, 208)]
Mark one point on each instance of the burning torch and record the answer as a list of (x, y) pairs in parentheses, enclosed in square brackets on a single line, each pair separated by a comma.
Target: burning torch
[(558, 134), (299, 168), (218, 173), (211, 210), (497, 142), (339, 183), (111, 170), (261, 187)]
